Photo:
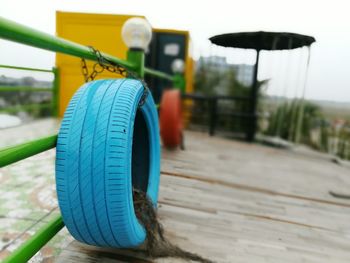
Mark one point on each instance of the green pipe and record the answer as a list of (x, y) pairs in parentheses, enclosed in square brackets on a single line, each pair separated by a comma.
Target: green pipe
[(13, 31), (25, 68), (137, 58), (19, 152), (24, 88), (158, 74), (27, 250), (55, 91), (180, 83), (27, 107)]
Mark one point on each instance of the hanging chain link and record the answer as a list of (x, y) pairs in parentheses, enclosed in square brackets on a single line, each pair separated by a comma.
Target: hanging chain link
[(103, 64)]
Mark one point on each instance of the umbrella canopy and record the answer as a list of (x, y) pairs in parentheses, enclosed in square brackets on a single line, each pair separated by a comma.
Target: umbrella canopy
[(261, 40)]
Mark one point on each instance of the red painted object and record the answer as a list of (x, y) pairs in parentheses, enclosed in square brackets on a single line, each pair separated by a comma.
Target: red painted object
[(170, 118)]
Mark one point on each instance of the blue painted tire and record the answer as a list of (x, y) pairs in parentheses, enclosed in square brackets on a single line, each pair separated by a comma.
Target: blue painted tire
[(107, 145)]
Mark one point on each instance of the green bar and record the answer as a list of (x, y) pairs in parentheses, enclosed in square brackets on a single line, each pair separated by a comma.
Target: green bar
[(19, 152), (158, 74), (24, 88), (36, 242), (25, 68), (27, 107), (179, 83), (55, 91), (13, 31), (137, 58)]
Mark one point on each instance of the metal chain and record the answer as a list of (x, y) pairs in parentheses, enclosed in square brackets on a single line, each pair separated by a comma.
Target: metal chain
[(103, 64)]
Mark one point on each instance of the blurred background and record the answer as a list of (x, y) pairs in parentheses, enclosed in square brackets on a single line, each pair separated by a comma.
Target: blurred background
[(303, 93), (248, 74)]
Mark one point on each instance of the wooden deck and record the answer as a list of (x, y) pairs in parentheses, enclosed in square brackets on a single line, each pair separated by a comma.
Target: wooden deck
[(226, 200)]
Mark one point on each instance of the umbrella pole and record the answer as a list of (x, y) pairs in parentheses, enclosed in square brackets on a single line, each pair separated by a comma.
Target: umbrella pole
[(253, 102)]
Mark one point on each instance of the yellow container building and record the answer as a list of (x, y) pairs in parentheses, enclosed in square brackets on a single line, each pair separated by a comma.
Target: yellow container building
[(103, 32)]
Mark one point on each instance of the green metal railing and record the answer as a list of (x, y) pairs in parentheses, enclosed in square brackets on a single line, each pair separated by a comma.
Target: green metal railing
[(26, 68), (19, 152), (159, 74), (53, 89), (25, 35), (23, 88), (27, 107), (36, 242)]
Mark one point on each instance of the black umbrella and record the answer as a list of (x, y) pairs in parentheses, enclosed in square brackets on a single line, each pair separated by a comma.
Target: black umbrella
[(260, 40)]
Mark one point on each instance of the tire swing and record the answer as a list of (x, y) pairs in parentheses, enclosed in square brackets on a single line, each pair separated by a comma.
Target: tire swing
[(107, 145), (170, 119)]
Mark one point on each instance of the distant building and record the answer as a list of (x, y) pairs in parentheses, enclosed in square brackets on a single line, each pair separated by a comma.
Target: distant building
[(244, 72)]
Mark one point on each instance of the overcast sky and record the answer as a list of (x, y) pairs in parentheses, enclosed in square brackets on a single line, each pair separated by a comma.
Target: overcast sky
[(327, 21)]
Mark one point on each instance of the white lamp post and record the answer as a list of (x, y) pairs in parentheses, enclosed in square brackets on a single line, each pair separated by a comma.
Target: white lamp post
[(137, 33)]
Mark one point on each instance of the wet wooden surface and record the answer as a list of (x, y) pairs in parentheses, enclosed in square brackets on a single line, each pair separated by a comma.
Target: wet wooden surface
[(226, 200)]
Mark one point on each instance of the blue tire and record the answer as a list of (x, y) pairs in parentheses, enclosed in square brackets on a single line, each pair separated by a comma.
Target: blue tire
[(107, 145)]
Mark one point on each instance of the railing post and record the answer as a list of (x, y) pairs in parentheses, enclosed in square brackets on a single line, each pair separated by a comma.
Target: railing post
[(55, 91), (137, 58), (252, 127), (179, 82), (28, 249)]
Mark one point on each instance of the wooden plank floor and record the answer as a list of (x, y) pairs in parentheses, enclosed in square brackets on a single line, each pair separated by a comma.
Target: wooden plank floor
[(226, 200)]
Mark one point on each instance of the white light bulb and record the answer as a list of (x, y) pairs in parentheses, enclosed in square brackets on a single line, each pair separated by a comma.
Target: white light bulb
[(137, 33), (178, 66)]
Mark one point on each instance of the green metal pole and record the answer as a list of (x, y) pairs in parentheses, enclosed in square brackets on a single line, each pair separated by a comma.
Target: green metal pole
[(158, 74), (24, 88), (55, 91), (28, 107), (13, 31), (36, 242), (179, 82), (137, 58), (25, 68), (19, 152)]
